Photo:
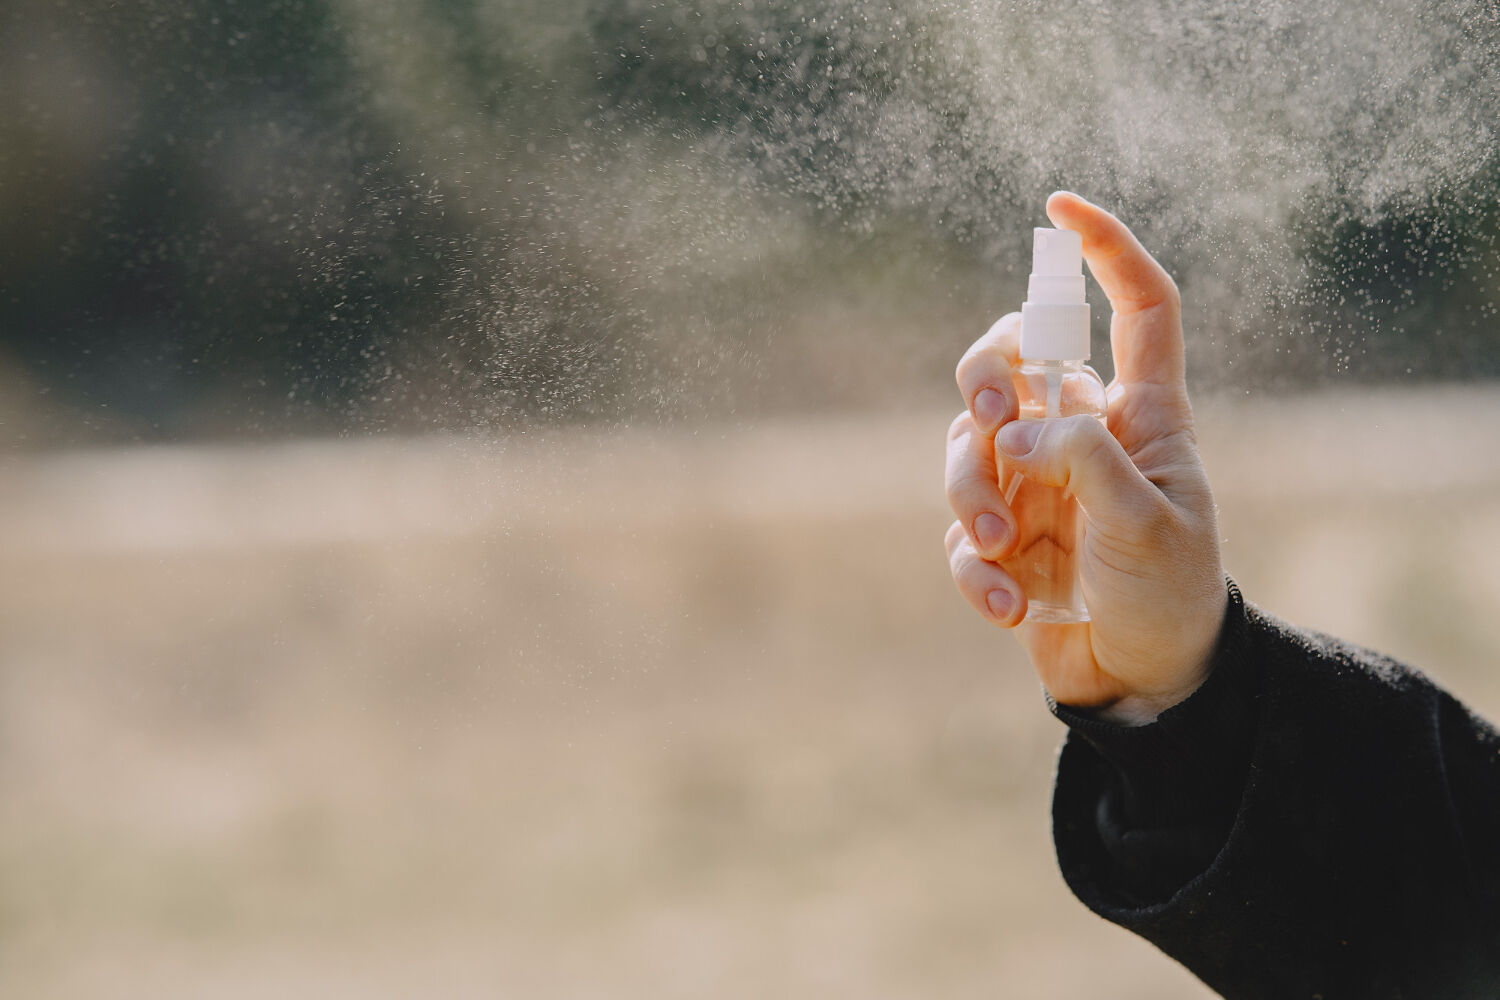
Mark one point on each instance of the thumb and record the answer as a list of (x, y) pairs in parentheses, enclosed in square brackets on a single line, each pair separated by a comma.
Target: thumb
[(1080, 455)]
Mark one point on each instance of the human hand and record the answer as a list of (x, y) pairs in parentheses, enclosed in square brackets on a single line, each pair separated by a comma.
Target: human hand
[(1149, 562)]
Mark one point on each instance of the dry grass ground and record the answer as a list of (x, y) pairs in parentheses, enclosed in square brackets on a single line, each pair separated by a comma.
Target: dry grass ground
[(615, 715)]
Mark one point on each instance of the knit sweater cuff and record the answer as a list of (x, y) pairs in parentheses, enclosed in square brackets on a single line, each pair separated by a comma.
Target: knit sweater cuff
[(1190, 764)]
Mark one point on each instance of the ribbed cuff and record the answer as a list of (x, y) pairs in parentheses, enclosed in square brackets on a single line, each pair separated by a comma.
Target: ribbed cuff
[(1189, 765)]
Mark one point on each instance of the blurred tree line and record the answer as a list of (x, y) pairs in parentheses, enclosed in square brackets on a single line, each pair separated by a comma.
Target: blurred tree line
[(235, 217)]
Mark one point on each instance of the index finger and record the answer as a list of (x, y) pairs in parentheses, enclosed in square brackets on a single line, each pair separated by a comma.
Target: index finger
[(1146, 333)]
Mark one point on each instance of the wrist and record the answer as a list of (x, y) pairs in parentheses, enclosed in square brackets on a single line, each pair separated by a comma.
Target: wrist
[(1191, 669)]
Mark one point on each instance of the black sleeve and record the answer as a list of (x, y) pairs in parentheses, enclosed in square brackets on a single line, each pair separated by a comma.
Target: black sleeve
[(1316, 821)]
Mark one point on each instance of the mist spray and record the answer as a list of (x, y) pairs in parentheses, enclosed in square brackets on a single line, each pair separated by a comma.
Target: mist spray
[(1052, 382)]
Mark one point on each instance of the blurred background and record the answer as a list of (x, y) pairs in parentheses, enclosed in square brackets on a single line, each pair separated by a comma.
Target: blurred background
[(470, 501)]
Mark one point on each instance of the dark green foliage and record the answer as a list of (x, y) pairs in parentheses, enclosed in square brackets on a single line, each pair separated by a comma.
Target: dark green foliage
[(1409, 293), (244, 234)]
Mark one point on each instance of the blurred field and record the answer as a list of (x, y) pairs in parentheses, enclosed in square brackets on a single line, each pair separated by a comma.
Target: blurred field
[(619, 714)]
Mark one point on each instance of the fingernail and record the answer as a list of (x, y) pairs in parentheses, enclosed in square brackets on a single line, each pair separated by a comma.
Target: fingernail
[(1018, 437), (989, 410), (1001, 603), (990, 531)]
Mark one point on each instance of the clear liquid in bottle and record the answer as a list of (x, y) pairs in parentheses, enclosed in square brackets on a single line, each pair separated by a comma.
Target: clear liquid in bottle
[(1049, 521)]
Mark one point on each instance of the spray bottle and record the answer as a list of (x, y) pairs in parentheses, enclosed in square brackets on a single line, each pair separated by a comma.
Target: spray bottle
[(1052, 382)]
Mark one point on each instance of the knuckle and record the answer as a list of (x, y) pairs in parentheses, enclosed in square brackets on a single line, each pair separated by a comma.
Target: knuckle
[(961, 425), (1170, 293), (968, 571), (973, 370), (985, 363), (1006, 326), (952, 537), (970, 359), (968, 496), (969, 486), (961, 561), (1094, 442), (1073, 447), (1077, 438)]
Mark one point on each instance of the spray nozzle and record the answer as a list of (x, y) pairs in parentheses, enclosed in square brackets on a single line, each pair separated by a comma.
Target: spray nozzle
[(1056, 252), (1055, 316)]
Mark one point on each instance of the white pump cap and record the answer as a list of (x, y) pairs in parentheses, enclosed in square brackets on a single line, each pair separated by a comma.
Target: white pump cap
[(1055, 317)]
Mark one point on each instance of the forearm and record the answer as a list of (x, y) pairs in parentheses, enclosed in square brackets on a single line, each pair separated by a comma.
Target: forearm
[(1316, 818), (1172, 788)]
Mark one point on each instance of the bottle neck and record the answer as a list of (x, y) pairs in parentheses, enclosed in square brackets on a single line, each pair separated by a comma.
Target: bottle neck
[(1065, 367)]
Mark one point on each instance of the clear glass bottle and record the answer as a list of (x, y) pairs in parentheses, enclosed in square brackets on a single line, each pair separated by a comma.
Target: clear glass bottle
[(1048, 518), (1053, 382)]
